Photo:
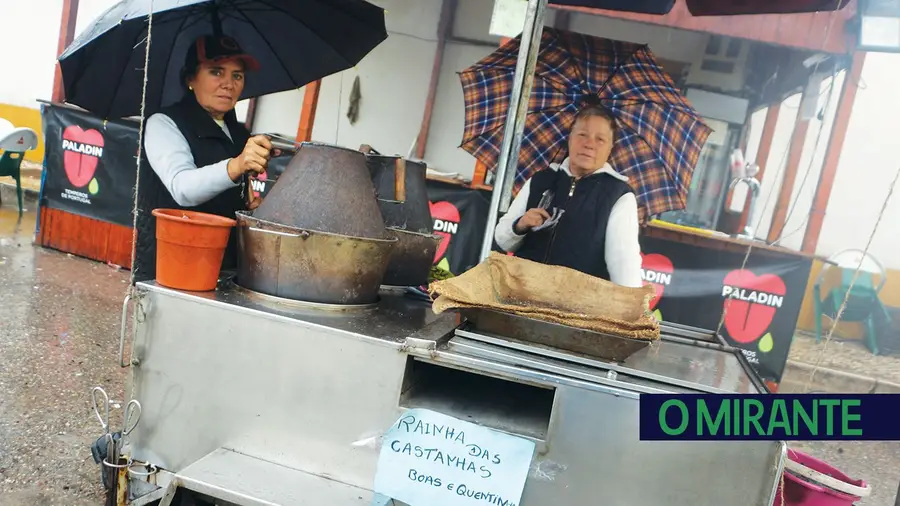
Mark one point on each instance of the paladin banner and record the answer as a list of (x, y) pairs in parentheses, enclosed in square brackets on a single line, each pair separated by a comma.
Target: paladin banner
[(460, 217), (695, 286), (90, 164)]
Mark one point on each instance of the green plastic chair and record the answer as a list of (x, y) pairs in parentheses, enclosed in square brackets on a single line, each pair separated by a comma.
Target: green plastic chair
[(14, 143), (863, 304)]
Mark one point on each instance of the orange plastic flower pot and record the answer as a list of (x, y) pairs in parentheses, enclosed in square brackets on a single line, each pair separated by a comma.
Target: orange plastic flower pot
[(189, 248)]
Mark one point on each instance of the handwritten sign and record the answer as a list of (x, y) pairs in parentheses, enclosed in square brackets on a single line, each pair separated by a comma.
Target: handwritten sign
[(508, 19), (430, 459)]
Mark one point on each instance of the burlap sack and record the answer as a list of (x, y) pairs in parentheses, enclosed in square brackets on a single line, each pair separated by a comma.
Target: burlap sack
[(525, 283), (550, 293)]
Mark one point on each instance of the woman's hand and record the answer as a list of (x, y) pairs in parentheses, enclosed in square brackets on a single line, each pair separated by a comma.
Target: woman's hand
[(254, 158), (255, 201), (531, 219)]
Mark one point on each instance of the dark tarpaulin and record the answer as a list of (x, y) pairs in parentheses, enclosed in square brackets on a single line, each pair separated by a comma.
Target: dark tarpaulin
[(642, 6), (737, 7), (711, 7)]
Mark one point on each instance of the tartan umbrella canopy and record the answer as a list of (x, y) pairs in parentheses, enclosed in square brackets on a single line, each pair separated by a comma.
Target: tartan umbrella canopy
[(660, 135)]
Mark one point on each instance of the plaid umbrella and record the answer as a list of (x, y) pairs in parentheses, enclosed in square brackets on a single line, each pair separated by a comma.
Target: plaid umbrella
[(660, 135)]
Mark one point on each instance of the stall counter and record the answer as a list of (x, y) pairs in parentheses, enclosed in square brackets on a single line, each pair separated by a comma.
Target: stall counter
[(86, 204)]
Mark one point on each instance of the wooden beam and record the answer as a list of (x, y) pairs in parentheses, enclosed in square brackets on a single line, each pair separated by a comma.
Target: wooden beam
[(833, 153), (762, 156), (308, 112), (66, 35), (563, 20), (445, 28), (481, 170), (251, 114), (818, 31), (795, 153)]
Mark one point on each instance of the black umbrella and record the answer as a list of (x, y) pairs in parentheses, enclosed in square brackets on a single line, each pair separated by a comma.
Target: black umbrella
[(295, 41)]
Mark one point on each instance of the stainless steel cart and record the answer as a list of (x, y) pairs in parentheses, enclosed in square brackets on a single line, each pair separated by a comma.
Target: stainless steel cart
[(258, 401)]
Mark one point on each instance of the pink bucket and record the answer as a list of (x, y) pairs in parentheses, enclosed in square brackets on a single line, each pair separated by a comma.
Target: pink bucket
[(805, 485)]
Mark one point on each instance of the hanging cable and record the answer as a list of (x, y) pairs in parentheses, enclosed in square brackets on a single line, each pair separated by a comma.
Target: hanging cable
[(843, 307), (137, 181)]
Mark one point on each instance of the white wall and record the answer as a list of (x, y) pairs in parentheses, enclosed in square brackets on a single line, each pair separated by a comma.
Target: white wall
[(810, 167), (28, 35), (32, 30), (394, 80), (89, 10), (665, 43), (29, 32), (448, 118), (808, 171), (867, 167), (279, 113), (393, 84)]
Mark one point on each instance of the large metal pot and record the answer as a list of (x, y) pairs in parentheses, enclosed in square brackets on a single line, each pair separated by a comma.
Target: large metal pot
[(411, 258), (400, 186), (325, 188), (309, 265)]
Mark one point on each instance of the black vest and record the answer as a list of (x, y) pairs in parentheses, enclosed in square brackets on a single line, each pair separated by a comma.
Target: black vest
[(209, 145), (578, 241)]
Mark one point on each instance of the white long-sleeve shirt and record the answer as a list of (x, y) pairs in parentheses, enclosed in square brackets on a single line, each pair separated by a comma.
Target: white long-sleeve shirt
[(170, 157), (622, 249)]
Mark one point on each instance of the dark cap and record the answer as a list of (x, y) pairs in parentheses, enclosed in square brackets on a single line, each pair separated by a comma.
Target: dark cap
[(208, 48)]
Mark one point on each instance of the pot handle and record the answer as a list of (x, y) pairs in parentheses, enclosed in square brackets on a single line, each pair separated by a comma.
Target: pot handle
[(285, 147), (285, 234), (366, 149), (400, 180), (283, 144), (122, 332)]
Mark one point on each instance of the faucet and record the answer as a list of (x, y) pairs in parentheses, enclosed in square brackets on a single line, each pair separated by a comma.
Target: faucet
[(748, 177)]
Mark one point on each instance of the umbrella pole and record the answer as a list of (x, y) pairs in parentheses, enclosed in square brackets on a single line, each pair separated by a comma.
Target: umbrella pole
[(501, 196)]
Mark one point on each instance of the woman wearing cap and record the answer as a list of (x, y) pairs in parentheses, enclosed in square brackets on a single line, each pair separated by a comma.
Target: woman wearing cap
[(200, 156)]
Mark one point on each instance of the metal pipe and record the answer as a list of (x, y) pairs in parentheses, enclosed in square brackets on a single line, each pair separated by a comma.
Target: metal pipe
[(515, 119)]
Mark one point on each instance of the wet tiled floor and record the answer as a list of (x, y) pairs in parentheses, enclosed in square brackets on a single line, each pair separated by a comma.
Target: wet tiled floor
[(847, 355), (58, 338)]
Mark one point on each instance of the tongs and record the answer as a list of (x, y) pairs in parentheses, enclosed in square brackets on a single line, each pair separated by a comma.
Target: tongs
[(280, 146), (111, 455), (555, 215), (284, 144)]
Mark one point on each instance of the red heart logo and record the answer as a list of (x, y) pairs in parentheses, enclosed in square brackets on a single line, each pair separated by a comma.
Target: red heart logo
[(262, 178), (751, 302), (446, 222), (82, 151), (656, 270)]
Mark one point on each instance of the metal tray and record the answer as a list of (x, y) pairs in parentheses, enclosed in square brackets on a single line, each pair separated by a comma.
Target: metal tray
[(691, 333), (708, 339), (554, 335)]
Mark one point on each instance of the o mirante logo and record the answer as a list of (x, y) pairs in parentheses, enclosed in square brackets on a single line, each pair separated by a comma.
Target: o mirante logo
[(774, 417)]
